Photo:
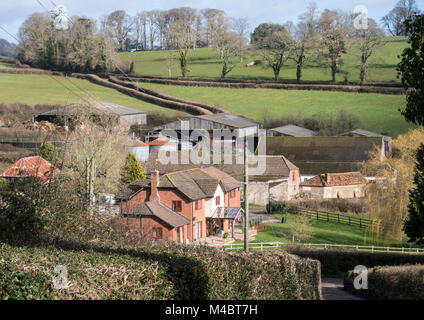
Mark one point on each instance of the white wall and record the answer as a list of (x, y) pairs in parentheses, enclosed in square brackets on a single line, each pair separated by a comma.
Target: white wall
[(212, 202)]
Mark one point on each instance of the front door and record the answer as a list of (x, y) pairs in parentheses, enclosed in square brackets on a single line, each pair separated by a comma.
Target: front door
[(198, 231)]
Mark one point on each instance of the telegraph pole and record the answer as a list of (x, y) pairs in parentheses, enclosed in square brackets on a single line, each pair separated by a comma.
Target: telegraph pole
[(246, 198)]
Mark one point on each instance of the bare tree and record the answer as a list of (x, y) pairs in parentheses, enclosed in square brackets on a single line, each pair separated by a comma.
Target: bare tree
[(305, 36), (369, 39), (140, 22), (119, 26), (393, 21), (333, 29), (276, 50), (183, 36), (170, 61), (241, 28), (227, 46), (212, 20), (153, 25)]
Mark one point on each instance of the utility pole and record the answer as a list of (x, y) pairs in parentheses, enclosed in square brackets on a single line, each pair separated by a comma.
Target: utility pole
[(246, 198), (89, 185)]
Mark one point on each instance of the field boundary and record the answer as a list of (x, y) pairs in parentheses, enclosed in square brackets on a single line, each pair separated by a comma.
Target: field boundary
[(336, 217), (341, 87), (275, 245)]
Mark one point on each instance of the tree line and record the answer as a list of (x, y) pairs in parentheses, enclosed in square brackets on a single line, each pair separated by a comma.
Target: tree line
[(90, 46)]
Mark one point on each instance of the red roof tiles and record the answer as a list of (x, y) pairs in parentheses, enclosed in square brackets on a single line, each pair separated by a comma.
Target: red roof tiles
[(335, 179), (32, 167), (161, 142)]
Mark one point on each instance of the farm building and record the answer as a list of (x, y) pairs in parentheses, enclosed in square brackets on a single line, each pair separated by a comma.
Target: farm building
[(268, 175), (345, 185), (140, 149), (315, 155), (365, 133), (234, 127), (291, 131), (32, 167), (64, 116), (182, 206), (163, 145)]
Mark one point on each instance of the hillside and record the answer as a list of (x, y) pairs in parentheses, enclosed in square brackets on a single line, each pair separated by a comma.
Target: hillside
[(205, 63), (7, 49), (44, 89), (377, 112)]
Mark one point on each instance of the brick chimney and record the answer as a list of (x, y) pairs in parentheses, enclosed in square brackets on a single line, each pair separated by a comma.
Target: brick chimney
[(154, 181), (327, 178)]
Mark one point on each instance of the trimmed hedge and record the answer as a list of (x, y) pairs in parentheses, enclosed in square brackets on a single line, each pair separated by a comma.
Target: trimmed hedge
[(196, 110), (337, 262), (276, 85), (391, 283), (159, 94), (157, 272)]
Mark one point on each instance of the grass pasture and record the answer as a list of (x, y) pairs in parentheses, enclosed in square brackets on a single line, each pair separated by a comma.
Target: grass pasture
[(377, 112), (323, 233), (43, 89), (204, 62)]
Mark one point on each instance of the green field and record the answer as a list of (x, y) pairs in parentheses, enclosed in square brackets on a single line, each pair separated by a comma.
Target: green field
[(43, 89), (377, 112), (205, 63), (323, 233), (6, 65)]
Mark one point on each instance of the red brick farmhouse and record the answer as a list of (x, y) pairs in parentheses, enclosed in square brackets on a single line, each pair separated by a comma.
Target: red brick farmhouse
[(182, 206)]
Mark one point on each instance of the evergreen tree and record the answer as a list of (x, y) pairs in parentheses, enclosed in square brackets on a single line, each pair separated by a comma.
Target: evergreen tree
[(131, 171), (48, 151), (414, 225)]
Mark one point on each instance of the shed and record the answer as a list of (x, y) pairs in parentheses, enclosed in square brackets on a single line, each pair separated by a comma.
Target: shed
[(140, 149), (163, 145), (63, 115), (292, 131)]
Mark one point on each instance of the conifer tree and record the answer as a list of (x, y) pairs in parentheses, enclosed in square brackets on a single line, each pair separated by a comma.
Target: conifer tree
[(131, 170)]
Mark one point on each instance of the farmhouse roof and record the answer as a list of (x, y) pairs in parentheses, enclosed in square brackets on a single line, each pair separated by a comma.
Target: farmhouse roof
[(269, 167), (315, 155), (32, 167), (230, 120), (161, 211), (228, 182), (335, 180), (193, 183), (295, 131)]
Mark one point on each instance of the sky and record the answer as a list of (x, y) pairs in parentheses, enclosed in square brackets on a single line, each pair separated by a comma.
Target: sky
[(14, 12)]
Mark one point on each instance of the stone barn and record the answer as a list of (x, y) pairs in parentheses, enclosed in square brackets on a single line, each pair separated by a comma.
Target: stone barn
[(347, 185)]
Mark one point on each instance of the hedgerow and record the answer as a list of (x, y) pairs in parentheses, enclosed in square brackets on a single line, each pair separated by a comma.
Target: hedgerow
[(391, 283), (156, 272), (337, 262)]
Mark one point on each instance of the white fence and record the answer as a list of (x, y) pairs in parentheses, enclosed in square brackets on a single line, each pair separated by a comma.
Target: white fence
[(274, 245)]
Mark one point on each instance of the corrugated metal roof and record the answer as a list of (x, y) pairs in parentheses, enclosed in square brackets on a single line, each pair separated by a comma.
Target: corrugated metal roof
[(295, 131), (230, 120), (361, 132), (102, 107)]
